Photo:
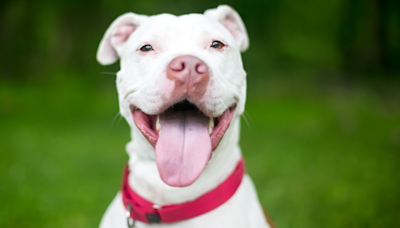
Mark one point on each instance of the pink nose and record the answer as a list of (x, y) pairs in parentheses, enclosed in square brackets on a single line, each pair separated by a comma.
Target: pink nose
[(190, 75)]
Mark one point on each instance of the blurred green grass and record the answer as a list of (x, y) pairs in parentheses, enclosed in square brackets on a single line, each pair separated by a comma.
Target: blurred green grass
[(320, 154)]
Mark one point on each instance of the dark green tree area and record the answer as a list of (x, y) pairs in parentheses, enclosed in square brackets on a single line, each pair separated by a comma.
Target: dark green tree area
[(320, 135), (355, 36)]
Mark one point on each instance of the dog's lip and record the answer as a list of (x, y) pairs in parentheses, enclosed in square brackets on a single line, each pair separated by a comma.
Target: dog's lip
[(146, 123)]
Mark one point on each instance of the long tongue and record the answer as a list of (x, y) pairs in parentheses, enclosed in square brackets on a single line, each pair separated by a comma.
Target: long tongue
[(183, 147)]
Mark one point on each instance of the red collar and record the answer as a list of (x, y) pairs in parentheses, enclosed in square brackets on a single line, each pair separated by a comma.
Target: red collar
[(146, 211)]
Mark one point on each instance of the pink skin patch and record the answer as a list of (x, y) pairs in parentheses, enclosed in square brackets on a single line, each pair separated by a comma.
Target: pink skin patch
[(231, 25), (122, 34), (184, 146)]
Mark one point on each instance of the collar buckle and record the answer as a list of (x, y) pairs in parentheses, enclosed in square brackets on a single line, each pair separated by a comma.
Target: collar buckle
[(153, 218)]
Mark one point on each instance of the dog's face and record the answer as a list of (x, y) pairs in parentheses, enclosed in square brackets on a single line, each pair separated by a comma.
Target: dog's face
[(181, 83)]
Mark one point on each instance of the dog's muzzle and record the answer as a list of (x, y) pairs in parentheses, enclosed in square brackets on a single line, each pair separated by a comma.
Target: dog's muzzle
[(182, 134)]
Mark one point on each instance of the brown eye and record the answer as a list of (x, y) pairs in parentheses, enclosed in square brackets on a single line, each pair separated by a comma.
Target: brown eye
[(146, 48), (217, 44)]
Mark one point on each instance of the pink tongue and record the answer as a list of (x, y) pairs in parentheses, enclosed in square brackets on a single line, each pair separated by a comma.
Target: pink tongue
[(183, 147)]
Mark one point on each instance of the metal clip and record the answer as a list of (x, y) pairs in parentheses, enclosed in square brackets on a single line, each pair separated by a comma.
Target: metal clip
[(129, 220), (157, 207)]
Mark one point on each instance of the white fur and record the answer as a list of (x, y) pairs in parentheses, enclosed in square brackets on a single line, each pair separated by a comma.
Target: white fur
[(141, 83)]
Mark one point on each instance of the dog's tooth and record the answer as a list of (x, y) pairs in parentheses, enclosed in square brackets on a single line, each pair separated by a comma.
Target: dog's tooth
[(210, 125), (158, 125)]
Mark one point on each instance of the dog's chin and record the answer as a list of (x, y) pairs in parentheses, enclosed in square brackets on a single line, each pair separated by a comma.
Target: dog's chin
[(183, 138)]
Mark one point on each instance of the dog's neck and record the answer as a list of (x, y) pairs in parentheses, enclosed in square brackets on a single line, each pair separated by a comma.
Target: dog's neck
[(145, 180)]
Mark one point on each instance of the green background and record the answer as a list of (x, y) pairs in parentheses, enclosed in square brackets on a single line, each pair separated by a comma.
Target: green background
[(321, 133)]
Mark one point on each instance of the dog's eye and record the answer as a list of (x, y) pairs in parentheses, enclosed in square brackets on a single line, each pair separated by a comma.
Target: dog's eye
[(217, 44), (146, 48)]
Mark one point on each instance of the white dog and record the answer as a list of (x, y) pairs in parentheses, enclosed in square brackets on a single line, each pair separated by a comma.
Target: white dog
[(182, 89)]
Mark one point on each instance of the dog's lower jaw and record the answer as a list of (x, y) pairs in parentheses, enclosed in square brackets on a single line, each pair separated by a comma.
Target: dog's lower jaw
[(146, 181)]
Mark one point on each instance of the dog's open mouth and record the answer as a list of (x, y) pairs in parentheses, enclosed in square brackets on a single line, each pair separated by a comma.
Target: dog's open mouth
[(183, 138)]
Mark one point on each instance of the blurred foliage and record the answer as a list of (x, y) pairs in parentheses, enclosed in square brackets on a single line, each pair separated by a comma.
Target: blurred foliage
[(321, 134), (43, 37)]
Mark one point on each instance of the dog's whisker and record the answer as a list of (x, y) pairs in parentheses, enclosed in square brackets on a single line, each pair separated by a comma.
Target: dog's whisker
[(119, 120), (248, 115), (247, 122), (115, 117)]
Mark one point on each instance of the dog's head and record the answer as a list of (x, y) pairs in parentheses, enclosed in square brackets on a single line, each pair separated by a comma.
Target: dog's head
[(180, 85)]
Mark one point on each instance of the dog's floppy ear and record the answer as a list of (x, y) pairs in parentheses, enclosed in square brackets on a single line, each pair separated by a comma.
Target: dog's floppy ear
[(231, 20), (115, 37)]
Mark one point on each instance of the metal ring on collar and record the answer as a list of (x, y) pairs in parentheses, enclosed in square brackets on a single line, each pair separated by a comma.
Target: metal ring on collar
[(129, 220)]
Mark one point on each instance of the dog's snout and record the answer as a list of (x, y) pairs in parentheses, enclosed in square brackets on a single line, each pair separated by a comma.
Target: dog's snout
[(187, 64), (190, 74)]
